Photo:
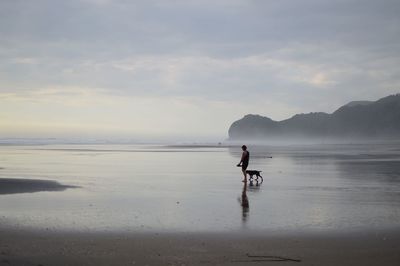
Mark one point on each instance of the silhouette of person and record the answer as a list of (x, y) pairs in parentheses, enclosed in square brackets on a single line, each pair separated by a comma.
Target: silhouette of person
[(244, 162)]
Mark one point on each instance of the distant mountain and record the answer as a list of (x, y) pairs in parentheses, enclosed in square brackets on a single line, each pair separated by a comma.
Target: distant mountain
[(355, 103), (355, 120)]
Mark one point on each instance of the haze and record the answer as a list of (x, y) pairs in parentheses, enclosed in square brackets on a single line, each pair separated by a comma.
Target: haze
[(187, 69)]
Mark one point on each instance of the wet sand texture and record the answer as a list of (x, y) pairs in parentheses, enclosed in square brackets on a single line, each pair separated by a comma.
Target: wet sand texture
[(13, 186), (29, 248)]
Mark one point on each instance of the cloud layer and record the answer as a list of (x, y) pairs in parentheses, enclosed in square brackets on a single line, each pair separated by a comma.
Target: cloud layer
[(156, 66)]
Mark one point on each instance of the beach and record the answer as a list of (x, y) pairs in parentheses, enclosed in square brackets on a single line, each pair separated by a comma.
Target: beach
[(52, 248), (182, 205)]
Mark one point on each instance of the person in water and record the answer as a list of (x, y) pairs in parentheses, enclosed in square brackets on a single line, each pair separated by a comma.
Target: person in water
[(244, 161)]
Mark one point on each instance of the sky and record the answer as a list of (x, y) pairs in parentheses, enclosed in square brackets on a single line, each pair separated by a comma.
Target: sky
[(185, 70)]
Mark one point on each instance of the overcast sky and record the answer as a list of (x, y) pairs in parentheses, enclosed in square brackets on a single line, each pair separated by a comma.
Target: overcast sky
[(187, 69)]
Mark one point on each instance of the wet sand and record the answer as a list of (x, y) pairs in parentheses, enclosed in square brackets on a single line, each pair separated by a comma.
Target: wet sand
[(56, 248), (15, 185), (307, 211)]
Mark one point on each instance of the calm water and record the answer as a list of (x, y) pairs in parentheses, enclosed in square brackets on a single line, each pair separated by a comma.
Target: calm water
[(156, 188)]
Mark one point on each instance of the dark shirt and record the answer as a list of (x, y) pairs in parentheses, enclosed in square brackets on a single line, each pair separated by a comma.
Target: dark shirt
[(246, 158)]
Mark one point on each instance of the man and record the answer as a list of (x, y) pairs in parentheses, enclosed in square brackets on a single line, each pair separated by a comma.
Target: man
[(244, 161)]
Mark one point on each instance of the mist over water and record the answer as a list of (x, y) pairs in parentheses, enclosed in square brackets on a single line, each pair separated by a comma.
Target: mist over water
[(197, 188)]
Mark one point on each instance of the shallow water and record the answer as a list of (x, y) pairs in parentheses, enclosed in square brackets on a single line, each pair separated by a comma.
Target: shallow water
[(186, 188)]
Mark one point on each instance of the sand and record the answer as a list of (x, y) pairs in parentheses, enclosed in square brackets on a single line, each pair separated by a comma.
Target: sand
[(23, 246), (30, 247)]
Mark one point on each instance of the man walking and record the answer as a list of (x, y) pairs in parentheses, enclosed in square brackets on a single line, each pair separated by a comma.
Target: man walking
[(244, 161)]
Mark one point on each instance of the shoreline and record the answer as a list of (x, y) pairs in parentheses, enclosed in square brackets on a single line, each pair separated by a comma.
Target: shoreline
[(34, 247)]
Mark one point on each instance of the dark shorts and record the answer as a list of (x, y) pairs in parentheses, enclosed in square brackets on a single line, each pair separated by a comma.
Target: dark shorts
[(244, 166)]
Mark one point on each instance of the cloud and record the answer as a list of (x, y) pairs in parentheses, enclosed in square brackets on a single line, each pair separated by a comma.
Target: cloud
[(267, 57)]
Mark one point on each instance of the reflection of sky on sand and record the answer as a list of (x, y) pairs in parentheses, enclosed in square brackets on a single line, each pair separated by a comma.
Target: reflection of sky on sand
[(139, 188)]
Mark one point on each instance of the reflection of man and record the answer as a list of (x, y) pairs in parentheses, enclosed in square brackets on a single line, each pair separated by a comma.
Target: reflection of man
[(245, 204), (245, 200), (244, 161)]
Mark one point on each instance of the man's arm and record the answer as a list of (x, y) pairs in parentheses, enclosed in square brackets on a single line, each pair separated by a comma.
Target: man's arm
[(241, 159)]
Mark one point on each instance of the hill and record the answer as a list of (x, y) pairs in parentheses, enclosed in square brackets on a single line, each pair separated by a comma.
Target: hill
[(355, 120)]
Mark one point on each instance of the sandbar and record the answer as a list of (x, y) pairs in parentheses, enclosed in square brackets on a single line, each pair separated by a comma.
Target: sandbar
[(16, 185)]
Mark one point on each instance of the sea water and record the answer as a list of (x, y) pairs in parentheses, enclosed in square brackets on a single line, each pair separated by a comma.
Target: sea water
[(139, 188)]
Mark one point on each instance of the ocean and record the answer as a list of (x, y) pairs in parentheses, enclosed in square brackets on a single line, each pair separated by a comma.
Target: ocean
[(184, 188)]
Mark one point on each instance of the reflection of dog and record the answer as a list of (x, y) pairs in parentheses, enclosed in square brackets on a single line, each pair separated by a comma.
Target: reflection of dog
[(254, 175)]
